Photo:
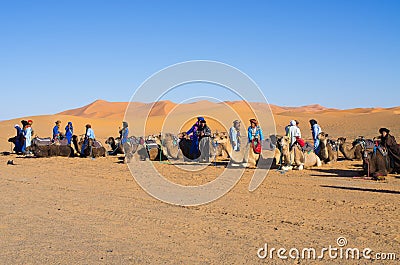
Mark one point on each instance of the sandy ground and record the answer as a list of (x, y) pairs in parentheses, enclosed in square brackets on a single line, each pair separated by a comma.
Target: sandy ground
[(84, 211)]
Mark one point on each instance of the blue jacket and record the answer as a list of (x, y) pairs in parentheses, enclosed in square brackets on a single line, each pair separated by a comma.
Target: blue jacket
[(193, 131), (124, 134), (90, 133), (69, 131), (258, 133), (316, 129), (56, 132)]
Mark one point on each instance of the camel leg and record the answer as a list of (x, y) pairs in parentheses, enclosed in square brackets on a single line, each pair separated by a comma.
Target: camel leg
[(319, 162), (253, 157)]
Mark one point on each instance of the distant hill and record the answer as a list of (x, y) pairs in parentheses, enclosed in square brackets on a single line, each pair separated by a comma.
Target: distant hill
[(106, 117), (111, 110)]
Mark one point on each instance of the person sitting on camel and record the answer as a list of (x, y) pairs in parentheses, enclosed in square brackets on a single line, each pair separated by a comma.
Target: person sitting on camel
[(389, 142)]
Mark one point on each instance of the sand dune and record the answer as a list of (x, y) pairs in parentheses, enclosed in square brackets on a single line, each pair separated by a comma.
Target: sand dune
[(105, 109), (106, 117), (99, 109), (350, 122)]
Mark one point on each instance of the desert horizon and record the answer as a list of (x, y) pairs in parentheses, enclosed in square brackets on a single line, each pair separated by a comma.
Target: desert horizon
[(200, 132), (106, 117)]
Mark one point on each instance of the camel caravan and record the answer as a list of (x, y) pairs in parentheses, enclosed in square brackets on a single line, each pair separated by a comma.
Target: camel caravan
[(66, 145), (380, 156)]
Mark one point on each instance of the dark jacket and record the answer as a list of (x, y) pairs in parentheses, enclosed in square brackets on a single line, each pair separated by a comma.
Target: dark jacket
[(389, 142), (204, 129)]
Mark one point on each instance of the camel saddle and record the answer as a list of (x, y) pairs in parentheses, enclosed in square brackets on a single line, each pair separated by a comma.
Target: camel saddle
[(334, 145), (150, 144), (97, 144), (365, 143), (267, 145), (381, 150), (41, 141), (61, 142)]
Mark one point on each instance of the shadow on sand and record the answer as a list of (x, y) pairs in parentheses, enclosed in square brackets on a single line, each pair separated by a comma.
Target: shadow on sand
[(361, 189), (342, 173)]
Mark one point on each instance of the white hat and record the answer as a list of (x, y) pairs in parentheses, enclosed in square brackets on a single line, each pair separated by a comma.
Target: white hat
[(16, 125)]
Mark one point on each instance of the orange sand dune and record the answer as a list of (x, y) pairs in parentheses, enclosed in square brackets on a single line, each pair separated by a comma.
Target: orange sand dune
[(106, 118), (105, 109), (99, 109)]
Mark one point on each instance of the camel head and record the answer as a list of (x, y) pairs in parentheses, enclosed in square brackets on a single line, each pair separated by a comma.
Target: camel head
[(171, 137), (322, 136), (341, 140), (140, 140), (283, 142), (274, 138), (221, 138), (168, 135), (183, 135), (110, 141)]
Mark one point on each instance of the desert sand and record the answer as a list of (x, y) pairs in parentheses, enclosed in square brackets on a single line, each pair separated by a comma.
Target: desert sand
[(91, 211)]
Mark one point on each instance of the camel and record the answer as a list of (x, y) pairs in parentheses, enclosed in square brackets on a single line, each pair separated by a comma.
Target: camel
[(93, 148), (328, 149), (131, 147), (377, 163), (279, 159), (14, 141), (224, 147), (44, 147), (366, 144), (348, 150), (115, 146), (296, 157), (178, 147), (141, 154), (170, 146), (140, 149)]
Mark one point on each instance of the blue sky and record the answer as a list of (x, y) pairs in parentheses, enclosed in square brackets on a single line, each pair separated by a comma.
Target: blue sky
[(56, 55)]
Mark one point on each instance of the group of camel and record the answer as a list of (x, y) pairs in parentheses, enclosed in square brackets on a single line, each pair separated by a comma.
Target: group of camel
[(169, 146), (45, 147), (166, 146), (376, 161)]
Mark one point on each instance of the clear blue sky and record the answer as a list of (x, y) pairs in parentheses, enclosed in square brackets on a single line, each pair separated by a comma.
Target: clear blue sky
[(56, 55)]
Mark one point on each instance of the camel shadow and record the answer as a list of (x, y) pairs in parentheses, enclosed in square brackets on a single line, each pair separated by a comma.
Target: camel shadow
[(120, 160), (218, 163), (361, 189), (334, 173), (267, 163)]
